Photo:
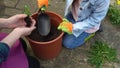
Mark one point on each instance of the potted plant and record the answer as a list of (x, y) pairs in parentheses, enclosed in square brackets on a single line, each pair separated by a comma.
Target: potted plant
[(46, 46)]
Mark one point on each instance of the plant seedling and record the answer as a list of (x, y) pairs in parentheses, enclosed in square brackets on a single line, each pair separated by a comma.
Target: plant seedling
[(114, 14), (101, 53), (27, 19)]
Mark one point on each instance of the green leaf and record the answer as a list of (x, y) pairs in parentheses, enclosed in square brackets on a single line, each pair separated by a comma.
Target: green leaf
[(114, 14), (89, 37), (27, 10), (100, 53)]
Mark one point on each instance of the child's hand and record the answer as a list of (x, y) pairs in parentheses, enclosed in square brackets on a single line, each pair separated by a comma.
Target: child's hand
[(66, 26)]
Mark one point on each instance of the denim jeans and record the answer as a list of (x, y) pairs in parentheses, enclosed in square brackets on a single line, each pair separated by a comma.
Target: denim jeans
[(70, 41)]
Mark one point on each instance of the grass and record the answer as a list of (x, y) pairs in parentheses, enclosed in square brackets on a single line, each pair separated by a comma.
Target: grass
[(101, 53), (114, 14)]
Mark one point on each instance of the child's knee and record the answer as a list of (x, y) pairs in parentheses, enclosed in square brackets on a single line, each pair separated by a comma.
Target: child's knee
[(72, 44), (69, 45)]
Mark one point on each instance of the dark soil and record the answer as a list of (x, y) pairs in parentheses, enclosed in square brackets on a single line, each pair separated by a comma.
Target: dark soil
[(28, 21), (54, 33)]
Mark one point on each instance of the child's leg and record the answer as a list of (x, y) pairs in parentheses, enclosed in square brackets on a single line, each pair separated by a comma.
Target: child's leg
[(70, 41)]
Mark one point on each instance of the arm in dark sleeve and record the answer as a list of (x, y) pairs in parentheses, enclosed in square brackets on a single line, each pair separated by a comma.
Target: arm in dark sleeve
[(4, 51)]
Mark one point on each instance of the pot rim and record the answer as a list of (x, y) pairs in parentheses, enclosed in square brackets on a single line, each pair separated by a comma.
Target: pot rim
[(61, 34), (48, 12), (47, 41)]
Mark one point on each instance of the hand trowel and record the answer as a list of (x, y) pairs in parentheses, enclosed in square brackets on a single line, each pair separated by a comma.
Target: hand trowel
[(43, 24)]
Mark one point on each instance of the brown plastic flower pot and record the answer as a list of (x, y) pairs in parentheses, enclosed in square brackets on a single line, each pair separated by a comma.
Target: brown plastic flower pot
[(50, 49)]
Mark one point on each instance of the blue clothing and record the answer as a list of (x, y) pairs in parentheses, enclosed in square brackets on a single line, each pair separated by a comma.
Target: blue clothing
[(4, 51), (90, 15), (70, 41)]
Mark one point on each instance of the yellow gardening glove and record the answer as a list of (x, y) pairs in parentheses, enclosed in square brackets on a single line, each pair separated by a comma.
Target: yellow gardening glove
[(66, 26)]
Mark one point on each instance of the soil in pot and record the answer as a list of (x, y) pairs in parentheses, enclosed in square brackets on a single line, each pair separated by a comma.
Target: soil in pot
[(54, 33)]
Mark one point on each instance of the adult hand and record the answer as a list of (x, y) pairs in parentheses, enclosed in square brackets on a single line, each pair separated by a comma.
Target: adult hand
[(17, 33), (26, 30), (16, 21)]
